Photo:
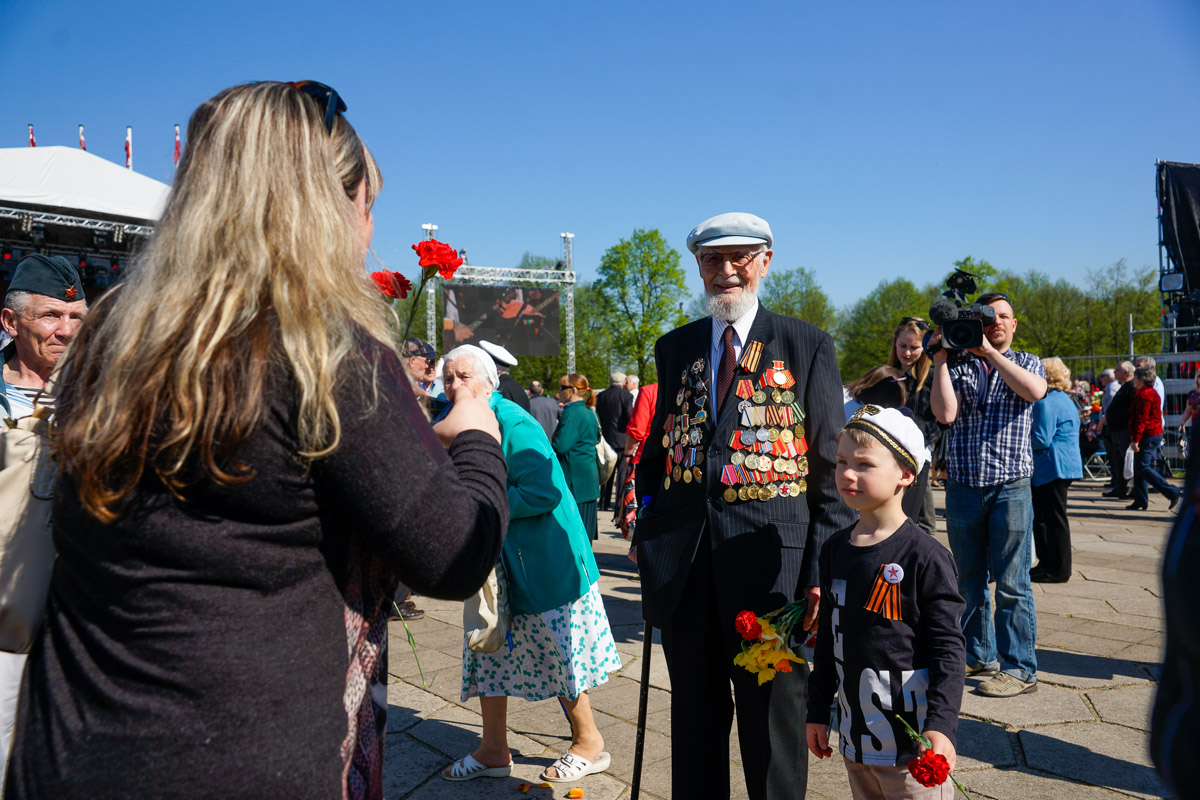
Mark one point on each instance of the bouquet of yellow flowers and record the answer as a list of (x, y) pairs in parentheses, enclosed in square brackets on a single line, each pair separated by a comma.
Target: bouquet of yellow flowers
[(765, 650)]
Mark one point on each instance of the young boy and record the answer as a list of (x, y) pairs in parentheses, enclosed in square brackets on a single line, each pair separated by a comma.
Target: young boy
[(889, 640)]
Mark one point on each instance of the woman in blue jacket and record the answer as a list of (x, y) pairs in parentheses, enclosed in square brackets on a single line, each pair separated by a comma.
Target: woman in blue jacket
[(561, 644), (1056, 462)]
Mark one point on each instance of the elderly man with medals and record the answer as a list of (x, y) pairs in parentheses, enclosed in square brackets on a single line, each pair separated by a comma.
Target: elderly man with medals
[(739, 472)]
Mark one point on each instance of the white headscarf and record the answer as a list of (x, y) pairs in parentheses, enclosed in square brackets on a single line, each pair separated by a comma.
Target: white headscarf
[(486, 365)]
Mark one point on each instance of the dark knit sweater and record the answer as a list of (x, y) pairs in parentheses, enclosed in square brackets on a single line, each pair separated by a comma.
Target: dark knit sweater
[(199, 649)]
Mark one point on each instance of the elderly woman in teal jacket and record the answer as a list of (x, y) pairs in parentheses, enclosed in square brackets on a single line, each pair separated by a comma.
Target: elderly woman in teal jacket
[(1056, 462), (561, 643)]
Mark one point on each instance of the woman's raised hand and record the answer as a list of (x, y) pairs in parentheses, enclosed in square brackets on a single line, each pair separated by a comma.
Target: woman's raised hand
[(469, 413)]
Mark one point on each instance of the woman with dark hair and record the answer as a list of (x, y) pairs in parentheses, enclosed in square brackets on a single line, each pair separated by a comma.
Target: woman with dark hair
[(245, 476), (575, 441), (908, 355)]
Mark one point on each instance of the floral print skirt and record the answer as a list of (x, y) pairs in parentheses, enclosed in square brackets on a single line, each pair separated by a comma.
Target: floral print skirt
[(558, 653)]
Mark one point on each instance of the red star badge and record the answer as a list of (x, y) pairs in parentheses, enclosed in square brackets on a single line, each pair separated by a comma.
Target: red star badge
[(71, 292)]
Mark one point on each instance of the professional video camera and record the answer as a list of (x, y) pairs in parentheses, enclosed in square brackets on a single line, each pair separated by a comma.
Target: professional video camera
[(962, 328)]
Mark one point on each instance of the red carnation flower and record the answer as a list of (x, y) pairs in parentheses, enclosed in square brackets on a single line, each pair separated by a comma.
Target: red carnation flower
[(931, 769), (434, 254), (746, 624), (392, 284)]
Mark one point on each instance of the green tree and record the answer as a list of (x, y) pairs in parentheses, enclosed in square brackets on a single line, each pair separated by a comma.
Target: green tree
[(985, 274), (1051, 315), (642, 286), (1115, 292), (796, 293), (865, 330)]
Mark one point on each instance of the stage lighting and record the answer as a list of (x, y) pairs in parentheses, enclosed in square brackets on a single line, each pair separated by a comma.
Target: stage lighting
[(37, 233), (119, 234), (99, 240), (1171, 282), (6, 255)]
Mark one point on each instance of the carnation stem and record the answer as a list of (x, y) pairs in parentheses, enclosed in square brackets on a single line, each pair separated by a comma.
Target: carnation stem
[(412, 311)]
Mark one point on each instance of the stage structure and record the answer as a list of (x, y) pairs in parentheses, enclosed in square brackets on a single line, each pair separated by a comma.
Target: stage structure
[(68, 202), (552, 284), (1178, 189)]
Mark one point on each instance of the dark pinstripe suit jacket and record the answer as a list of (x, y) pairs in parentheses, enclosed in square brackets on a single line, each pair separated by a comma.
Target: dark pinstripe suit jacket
[(764, 552)]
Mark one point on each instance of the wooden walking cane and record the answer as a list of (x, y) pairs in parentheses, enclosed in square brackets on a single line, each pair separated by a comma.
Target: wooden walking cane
[(640, 741)]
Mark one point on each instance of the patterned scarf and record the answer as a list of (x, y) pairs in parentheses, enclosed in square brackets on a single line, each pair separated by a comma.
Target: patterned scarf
[(369, 590)]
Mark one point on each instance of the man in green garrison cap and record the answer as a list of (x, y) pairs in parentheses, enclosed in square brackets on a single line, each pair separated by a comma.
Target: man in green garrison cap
[(42, 311)]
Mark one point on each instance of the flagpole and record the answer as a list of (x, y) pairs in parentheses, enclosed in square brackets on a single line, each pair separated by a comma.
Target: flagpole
[(32, 141), (129, 147), (82, 142)]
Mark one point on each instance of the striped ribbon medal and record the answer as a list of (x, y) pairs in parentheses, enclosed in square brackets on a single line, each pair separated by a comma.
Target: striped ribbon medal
[(885, 594)]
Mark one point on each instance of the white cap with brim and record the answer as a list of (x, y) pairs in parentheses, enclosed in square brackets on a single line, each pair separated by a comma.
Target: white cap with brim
[(895, 429), (499, 354), (735, 227)]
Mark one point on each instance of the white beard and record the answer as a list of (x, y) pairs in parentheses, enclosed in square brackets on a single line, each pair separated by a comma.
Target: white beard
[(730, 309)]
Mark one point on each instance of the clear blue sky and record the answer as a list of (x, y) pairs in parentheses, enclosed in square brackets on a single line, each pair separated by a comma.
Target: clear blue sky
[(878, 138)]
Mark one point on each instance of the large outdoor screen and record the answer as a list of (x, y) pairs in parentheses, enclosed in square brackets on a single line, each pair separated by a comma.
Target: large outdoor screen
[(525, 320)]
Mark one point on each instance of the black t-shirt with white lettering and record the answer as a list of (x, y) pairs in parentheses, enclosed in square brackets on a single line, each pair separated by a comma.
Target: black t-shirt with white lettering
[(889, 642)]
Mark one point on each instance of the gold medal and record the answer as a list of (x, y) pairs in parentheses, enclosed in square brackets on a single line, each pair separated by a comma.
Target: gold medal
[(667, 482), (802, 464), (802, 485), (676, 474), (698, 473), (799, 431), (699, 457), (744, 493), (776, 396), (730, 494), (687, 476), (666, 440), (773, 434), (786, 435), (759, 397), (752, 491)]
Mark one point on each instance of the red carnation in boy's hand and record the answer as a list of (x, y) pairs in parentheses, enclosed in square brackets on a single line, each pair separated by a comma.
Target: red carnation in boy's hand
[(747, 625), (931, 769)]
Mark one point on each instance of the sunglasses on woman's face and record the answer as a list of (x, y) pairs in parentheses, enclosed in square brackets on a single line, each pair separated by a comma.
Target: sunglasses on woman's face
[(327, 95)]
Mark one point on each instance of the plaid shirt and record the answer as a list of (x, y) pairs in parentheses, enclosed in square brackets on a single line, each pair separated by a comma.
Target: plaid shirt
[(989, 439)]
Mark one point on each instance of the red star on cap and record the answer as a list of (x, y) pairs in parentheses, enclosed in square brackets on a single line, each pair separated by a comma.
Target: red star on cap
[(71, 292)]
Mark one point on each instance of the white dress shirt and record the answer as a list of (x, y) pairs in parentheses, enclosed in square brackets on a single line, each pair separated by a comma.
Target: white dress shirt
[(741, 330)]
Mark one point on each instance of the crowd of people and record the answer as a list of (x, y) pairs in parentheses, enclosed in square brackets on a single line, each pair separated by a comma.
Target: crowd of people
[(255, 477)]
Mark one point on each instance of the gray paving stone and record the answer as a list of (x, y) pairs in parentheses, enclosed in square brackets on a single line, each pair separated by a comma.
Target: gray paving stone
[(1100, 590), (1069, 640), (1048, 705), (1145, 653), (1114, 631), (1079, 671), (455, 731), (1151, 536), (408, 705), (1149, 624), (620, 738), (1064, 604), (1149, 606), (595, 787), (1104, 574), (983, 745), (1099, 754), (1128, 706), (619, 698), (1025, 784), (407, 764), (1055, 622), (402, 664)]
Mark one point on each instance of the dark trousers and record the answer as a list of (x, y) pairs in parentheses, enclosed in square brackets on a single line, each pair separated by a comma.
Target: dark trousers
[(619, 475), (699, 646), (1051, 529), (1120, 443), (1144, 472), (918, 502)]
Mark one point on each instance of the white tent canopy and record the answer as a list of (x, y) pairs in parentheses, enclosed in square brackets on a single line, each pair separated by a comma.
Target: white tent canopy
[(78, 182)]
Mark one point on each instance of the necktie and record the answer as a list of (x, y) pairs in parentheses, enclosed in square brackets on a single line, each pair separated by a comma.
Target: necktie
[(725, 368)]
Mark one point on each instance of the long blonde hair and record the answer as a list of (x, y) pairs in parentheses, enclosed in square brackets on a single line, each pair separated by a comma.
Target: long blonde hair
[(257, 259), (920, 369)]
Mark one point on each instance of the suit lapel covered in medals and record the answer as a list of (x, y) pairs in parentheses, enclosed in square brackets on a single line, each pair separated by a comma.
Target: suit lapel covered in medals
[(687, 426)]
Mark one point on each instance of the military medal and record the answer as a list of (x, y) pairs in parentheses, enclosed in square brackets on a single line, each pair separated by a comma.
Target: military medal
[(750, 356), (730, 494), (885, 594), (760, 397), (786, 435), (697, 473), (788, 397), (677, 474), (687, 476)]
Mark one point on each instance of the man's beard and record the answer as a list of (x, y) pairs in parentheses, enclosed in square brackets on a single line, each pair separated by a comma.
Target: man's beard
[(730, 309)]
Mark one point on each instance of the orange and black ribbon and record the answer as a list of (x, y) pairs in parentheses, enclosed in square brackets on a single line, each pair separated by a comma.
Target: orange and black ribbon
[(750, 357), (885, 597)]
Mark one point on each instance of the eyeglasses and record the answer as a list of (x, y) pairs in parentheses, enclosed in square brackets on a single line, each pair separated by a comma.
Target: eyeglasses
[(333, 103), (920, 323), (564, 386), (738, 260)]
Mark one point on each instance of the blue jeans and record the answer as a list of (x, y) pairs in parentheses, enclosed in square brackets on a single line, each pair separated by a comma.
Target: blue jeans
[(1144, 471), (991, 533)]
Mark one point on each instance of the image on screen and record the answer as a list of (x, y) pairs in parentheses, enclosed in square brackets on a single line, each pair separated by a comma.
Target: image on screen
[(523, 319)]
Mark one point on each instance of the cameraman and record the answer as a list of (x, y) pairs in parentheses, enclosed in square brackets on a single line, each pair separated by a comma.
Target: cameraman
[(987, 400)]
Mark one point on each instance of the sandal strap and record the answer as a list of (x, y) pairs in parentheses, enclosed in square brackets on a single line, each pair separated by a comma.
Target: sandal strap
[(569, 765), (466, 766)]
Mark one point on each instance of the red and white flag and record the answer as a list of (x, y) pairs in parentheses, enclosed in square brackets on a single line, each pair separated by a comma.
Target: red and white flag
[(32, 141), (177, 145), (128, 147), (82, 143)]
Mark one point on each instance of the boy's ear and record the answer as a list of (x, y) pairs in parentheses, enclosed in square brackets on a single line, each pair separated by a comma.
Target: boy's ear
[(907, 477)]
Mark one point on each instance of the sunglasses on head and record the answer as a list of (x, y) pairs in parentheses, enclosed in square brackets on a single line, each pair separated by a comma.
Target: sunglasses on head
[(921, 324), (327, 95)]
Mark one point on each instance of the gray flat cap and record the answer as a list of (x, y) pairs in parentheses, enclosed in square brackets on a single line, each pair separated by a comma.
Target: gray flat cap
[(736, 227)]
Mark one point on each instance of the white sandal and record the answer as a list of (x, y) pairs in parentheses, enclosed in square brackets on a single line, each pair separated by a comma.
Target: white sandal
[(468, 767), (571, 767)]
